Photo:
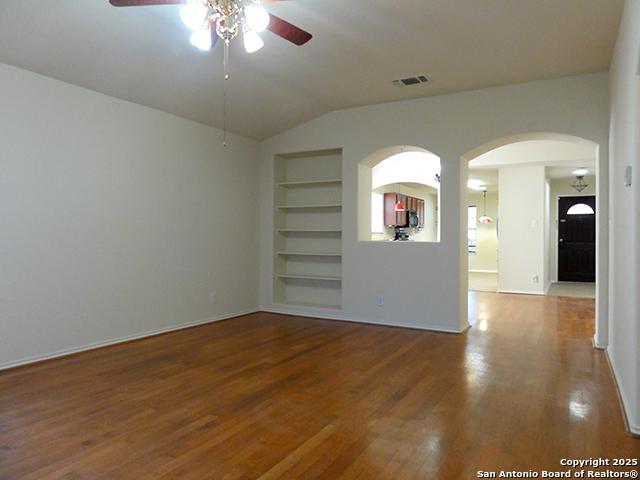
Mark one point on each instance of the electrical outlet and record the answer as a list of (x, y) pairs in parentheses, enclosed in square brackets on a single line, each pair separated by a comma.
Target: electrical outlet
[(213, 297), (380, 300), (535, 279)]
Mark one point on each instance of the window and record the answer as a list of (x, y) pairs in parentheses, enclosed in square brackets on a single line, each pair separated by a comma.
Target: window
[(580, 209), (472, 229)]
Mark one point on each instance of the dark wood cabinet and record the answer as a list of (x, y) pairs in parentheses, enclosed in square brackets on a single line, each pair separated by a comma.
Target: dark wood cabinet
[(393, 218)]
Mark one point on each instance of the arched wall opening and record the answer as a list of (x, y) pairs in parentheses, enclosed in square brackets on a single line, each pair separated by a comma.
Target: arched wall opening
[(601, 193), (399, 195)]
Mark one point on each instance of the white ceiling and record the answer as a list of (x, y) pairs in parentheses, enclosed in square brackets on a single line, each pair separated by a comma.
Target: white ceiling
[(143, 54)]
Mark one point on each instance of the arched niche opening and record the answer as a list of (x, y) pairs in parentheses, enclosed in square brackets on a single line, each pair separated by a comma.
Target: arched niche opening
[(399, 195)]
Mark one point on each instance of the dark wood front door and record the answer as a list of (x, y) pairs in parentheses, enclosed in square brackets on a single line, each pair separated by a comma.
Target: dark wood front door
[(577, 239)]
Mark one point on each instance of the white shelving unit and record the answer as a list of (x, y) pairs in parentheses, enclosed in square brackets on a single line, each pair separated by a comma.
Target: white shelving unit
[(308, 229)]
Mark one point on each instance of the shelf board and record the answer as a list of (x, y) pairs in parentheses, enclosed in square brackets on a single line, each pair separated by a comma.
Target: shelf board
[(311, 254), (309, 207), (310, 183), (295, 276), (287, 303), (309, 230)]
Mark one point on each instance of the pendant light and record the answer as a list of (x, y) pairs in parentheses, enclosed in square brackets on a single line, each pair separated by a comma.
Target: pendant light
[(400, 206), (579, 184), (486, 219)]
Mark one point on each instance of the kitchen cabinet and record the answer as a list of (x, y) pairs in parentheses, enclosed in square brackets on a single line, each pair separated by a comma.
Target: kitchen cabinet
[(393, 218)]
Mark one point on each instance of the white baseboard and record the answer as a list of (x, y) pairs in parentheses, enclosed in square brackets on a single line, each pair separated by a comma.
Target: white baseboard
[(115, 341), (483, 271), (632, 426), (546, 289), (520, 292), (323, 314), (596, 345)]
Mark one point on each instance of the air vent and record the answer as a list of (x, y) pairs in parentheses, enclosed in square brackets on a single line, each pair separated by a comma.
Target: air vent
[(411, 81)]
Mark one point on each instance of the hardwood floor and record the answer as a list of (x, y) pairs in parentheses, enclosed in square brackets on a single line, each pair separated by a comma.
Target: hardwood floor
[(268, 396)]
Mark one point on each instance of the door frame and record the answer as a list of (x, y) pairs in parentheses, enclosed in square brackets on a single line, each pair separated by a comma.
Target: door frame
[(556, 230)]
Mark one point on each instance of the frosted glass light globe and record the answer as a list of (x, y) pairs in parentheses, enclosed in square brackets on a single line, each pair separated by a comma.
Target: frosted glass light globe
[(193, 16), (252, 41), (201, 39), (257, 18)]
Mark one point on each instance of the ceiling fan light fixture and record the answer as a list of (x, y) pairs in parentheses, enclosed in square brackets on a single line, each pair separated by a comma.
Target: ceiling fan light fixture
[(256, 18), (252, 41), (193, 15), (201, 39)]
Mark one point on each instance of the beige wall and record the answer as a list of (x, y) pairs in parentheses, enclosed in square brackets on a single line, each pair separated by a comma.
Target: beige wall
[(117, 220), (562, 188), (486, 257), (623, 335), (433, 294), (522, 234)]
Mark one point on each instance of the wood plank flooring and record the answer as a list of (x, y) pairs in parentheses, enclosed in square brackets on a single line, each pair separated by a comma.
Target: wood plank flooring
[(267, 396)]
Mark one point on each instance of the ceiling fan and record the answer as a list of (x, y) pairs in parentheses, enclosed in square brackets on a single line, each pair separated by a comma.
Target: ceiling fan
[(211, 20)]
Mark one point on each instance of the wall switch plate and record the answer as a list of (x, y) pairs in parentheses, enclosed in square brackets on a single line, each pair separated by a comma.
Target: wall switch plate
[(628, 176), (380, 300)]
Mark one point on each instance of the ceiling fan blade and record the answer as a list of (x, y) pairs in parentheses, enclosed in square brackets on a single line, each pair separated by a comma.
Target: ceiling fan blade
[(143, 3), (288, 31)]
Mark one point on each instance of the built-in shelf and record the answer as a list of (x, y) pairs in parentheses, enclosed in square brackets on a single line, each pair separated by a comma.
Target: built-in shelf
[(310, 183), (307, 247), (322, 306), (309, 230), (311, 254), (295, 276), (309, 207)]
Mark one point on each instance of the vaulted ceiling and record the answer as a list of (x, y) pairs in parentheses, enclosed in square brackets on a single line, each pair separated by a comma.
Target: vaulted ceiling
[(143, 54)]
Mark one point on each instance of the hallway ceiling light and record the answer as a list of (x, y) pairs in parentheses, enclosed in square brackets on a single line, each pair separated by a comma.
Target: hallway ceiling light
[(486, 219), (579, 184)]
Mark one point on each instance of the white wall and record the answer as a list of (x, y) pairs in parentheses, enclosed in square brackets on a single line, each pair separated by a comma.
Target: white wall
[(561, 187), (522, 233), (432, 294), (486, 256), (624, 300), (116, 219)]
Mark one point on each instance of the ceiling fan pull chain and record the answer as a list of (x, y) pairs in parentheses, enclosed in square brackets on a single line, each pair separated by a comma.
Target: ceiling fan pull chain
[(224, 94)]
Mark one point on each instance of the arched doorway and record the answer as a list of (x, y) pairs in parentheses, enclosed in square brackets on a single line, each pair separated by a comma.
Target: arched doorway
[(539, 234)]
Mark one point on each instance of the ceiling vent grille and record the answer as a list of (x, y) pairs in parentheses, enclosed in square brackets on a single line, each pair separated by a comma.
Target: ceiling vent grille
[(411, 81)]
